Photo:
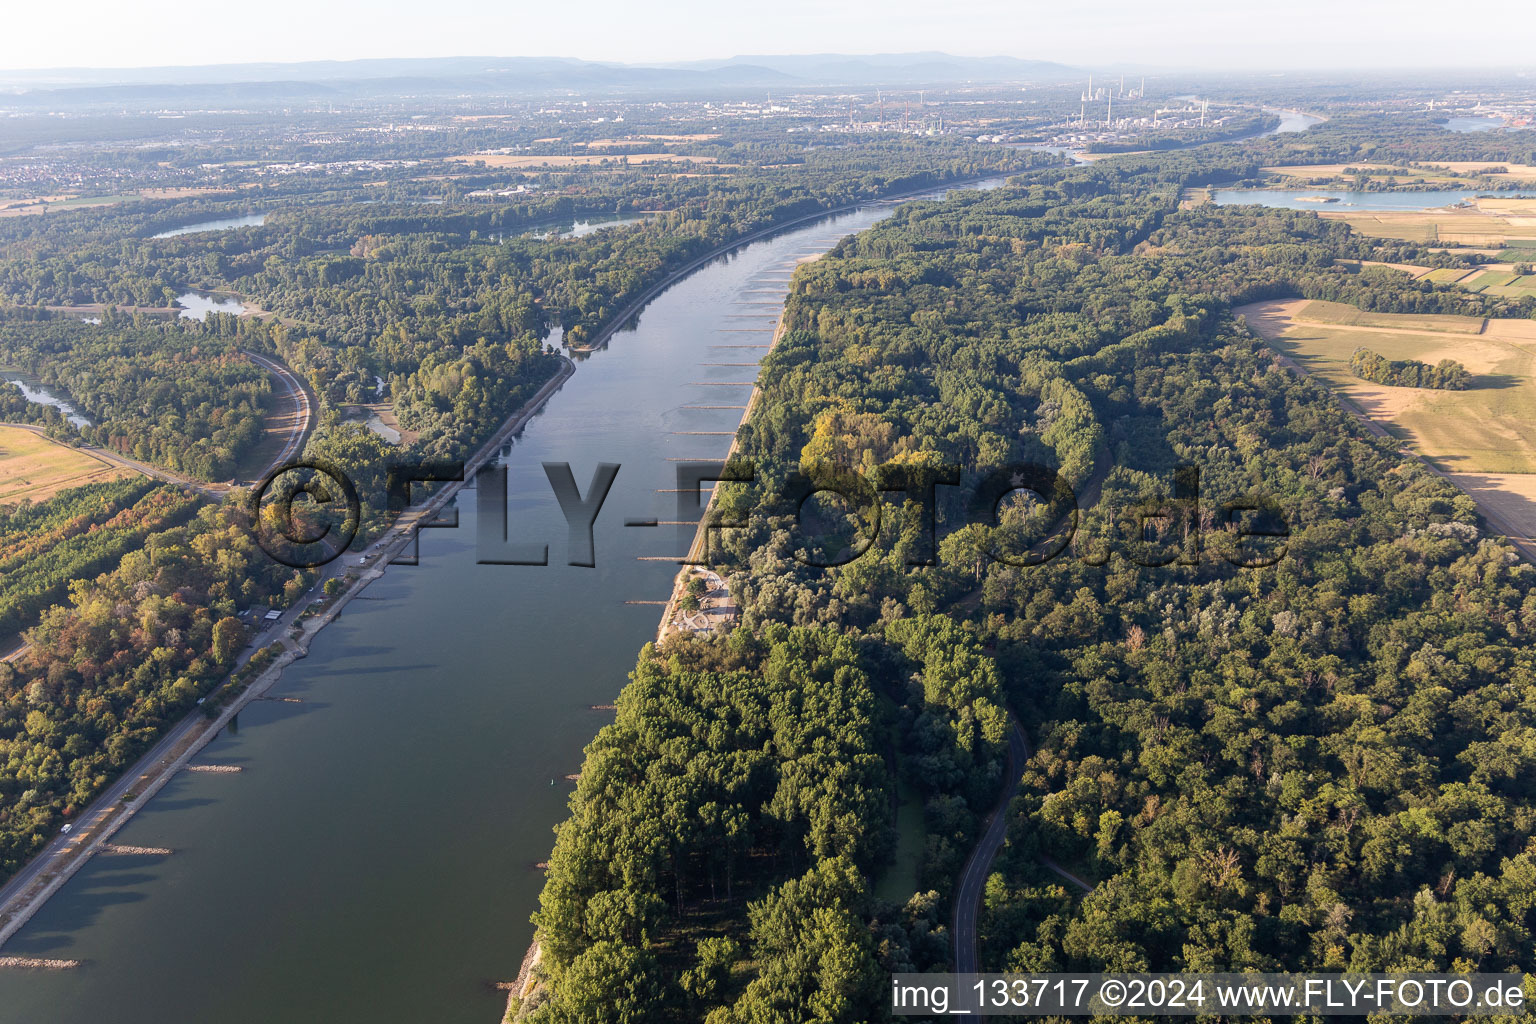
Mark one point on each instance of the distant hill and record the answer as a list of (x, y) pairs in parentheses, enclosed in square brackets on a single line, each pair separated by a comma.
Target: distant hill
[(899, 68), (278, 82), (217, 83)]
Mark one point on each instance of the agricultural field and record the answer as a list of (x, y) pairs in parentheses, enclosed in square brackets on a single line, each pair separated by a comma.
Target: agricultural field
[(1504, 283), (1507, 499), (1450, 276), (1514, 172), (1436, 171), (33, 467), (53, 204), (1348, 316), (1483, 439), (1412, 270), (1310, 174), (1494, 223)]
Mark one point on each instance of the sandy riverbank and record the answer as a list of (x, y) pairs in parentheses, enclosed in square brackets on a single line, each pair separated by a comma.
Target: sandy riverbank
[(698, 549), (527, 982)]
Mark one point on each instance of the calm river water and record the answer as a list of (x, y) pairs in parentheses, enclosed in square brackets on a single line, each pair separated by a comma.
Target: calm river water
[(374, 861)]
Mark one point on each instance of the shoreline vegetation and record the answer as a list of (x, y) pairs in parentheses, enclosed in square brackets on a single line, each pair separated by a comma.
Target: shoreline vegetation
[(907, 341), (184, 739), (96, 824), (528, 980)]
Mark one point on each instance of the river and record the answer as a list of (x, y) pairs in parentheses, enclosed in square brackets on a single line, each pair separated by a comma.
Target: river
[(33, 391), (374, 861), (1290, 121)]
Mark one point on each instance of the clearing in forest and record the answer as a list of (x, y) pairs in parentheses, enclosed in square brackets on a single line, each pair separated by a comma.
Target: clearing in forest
[(1483, 438)]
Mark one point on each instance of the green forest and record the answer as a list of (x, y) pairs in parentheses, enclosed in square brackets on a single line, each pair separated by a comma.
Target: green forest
[(1273, 672), (1446, 375), (1311, 759), (128, 597)]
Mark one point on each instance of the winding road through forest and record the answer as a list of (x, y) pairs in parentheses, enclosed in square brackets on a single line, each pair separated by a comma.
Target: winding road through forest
[(973, 879), (293, 422)]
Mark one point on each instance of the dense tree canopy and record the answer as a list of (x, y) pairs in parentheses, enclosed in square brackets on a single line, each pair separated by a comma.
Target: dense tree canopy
[(1289, 753)]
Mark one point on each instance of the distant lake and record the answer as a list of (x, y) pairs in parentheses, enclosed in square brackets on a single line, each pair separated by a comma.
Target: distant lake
[(250, 220), (35, 392), (1291, 121), (1473, 124), (1296, 200), (1075, 155), (576, 228), (197, 305)]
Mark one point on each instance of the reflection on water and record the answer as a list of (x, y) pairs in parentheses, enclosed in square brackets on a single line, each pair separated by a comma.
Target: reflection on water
[(197, 305), (575, 228), (224, 224), (35, 392), (1473, 124)]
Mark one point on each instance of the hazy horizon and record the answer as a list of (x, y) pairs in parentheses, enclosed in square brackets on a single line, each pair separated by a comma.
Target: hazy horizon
[(1193, 35)]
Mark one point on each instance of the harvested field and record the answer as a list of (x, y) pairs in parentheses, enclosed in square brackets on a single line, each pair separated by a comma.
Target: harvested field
[(33, 467), (1484, 438)]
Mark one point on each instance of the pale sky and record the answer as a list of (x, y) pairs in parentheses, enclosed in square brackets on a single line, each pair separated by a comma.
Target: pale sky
[(1221, 34)]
